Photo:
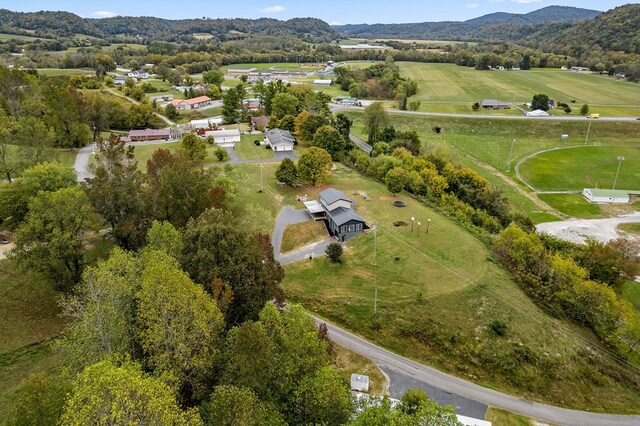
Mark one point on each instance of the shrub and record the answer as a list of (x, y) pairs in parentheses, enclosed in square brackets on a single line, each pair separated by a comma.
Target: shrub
[(221, 154), (333, 252), (498, 327), (256, 142), (475, 106), (567, 109)]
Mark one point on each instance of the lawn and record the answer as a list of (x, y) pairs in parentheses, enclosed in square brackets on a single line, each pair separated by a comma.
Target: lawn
[(583, 167), (54, 72), (302, 234), (348, 362), (248, 150), (442, 83), (436, 295), (631, 228), (144, 152), (574, 205), (29, 320), (6, 37), (630, 291)]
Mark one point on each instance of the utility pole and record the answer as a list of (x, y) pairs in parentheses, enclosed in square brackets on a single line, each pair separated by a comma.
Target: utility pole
[(620, 160), (261, 188), (588, 131), (375, 243)]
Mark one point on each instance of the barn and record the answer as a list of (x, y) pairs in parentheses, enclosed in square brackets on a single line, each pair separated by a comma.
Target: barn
[(596, 195)]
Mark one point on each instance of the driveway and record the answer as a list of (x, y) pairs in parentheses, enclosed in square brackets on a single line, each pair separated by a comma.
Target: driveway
[(578, 230), (469, 397), (287, 216)]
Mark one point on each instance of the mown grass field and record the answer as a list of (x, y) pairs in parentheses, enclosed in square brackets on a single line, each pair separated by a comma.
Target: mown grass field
[(583, 167), (6, 36), (443, 83), (246, 149), (53, 72), (437, 295), (574, 205)]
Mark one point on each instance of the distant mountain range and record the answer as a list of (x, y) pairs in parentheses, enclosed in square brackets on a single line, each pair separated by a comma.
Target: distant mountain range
[(478, 29)]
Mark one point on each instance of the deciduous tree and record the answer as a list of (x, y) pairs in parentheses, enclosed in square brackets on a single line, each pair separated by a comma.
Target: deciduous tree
[(375, 119), (329, 139), (194, 146), (314, 165), (287, 172)]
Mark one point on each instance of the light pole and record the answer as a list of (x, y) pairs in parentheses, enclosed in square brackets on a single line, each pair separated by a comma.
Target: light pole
[(375, 243), (261, 188), (413, 219), (418, 229), (620, 160), (588, 130), (428, 224)]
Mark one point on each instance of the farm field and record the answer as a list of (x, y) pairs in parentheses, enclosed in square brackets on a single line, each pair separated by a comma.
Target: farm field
[(6, 36), (53, 72), (583, 167), (442, 83)]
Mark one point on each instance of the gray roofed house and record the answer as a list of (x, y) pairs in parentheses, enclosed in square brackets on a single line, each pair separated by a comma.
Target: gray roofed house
[(280, 140), (337, 209), (494, 104)]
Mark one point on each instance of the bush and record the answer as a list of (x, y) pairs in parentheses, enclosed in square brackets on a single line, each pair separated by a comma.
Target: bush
[(567, 109), (221, 154), (475, 106), (498, 327), (256, 142), (584, 110), (334, 251)]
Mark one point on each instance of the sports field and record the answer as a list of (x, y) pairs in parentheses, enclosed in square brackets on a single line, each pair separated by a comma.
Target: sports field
[(583, 167), (448, 83)]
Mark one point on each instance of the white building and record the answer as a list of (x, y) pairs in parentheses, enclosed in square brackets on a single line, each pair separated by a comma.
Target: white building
[(322, 82), (609, 196), (280, 140), (360, 382), (224, 137)]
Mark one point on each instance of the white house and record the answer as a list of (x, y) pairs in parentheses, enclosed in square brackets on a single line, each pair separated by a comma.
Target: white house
[(205, 123), (322, 82), (224, 137), (360, 382), (610, 196), (280, 140), (138, 74)]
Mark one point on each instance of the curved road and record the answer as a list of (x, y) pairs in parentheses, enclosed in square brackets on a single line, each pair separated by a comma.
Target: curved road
[(420, 373)]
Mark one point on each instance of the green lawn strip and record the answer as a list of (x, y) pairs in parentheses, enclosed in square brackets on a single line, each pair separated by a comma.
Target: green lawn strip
[(574, 205), (499, 417), (302, 234), (66, 72), (348, 362), (630, 291), (631, 228), (583, 167), (452, 83), (246, 149)]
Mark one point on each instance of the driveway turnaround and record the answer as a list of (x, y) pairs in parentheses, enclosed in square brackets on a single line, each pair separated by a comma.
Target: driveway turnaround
[(578, 230), (469, 396)]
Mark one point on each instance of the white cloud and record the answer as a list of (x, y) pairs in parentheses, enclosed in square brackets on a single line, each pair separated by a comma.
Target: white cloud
[(103, 14), (496, 1), (274, 9), (472, 5), (526, 1)]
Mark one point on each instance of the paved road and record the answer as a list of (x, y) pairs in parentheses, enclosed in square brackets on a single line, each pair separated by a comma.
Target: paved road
[(311, 251), (465, 390), (578, 230), (336, 108), (361, 144)]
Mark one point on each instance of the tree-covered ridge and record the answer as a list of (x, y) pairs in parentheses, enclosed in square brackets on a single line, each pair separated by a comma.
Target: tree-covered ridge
[(615, 30), (64, 24), (545, 15)]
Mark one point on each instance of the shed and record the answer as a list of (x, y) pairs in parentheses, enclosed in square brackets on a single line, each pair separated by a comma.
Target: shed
[(610, 196), (360, 382), (280, 140), (320, 82), (537, 113)]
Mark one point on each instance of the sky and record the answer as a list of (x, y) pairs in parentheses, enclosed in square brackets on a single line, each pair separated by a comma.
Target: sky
[(332, 11)]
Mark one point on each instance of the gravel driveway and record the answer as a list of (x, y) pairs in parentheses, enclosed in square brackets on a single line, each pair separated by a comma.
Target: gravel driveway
[(578, 230)]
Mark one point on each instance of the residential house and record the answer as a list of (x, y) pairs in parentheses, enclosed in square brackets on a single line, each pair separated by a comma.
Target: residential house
[(138, 74), (149, 135), (337, 209), (494, 104), (579, 69), (280, 140), (194, 103), (251, 104), (224, 137)]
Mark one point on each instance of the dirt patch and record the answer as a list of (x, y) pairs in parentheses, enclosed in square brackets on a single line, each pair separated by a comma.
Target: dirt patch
[(4, 249)]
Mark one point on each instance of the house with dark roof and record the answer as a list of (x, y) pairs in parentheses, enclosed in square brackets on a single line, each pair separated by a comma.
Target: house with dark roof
[(336, 209), (280, 140), (150, 135)]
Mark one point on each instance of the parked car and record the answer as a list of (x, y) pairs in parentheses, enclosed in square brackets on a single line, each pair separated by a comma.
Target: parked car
[(3, 241)]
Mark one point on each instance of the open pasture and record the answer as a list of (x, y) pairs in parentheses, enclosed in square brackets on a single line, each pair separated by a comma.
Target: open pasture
[(442, 83)]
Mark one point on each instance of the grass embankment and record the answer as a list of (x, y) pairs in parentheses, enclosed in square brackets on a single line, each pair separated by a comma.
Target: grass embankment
[(302, 234), (348, 362), (500, 417), (630, 228), (438, 293), (630, 291), (30, 321), (574, 205), (441, 87)]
